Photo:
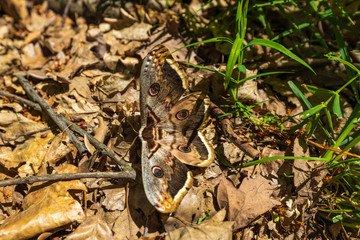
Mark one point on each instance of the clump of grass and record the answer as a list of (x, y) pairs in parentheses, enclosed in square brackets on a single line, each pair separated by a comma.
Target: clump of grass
[(344, 202)]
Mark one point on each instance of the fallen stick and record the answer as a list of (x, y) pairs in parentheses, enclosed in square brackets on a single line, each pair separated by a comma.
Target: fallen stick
[(228, 131), (45, 107), (31, 104), (97, 144), (66, 176)]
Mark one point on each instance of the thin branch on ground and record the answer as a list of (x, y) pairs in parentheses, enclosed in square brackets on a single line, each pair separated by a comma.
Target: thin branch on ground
[(228, 131), (98, 145), (44, 106), (66, 176), (27, 102), (66, 12)]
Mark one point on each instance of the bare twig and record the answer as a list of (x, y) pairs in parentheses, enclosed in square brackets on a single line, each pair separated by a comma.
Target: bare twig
[(230, 134), (98, 145), (66, 12), (21, 100), (63, 126), (66, 176)]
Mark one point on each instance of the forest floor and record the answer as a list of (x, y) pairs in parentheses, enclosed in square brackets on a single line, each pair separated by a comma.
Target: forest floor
[(88, 69)]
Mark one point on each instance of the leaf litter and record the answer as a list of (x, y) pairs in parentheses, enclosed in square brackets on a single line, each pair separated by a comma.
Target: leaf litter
[(89, 72)]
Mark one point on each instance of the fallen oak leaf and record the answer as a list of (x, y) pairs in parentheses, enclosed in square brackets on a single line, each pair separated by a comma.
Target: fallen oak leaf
[(247, 202)]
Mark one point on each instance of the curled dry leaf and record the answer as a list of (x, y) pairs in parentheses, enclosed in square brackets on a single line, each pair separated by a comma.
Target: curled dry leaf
[(7, 56), (111, 61), (247, 202), (79, 107), (58, 40), (93, 228), (60, 146), (10, 83), (45, 209), (247, 91), (16, 107), (214, 228), (108, 82), (272, 104), (81, 86), (40, 19), (33, 57)]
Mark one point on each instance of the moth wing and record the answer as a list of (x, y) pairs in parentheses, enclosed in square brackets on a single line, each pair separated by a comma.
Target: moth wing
[(166, 180), (161, 71), (198, 152)]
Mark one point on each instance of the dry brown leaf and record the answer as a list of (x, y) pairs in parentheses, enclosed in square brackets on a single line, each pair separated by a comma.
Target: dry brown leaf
[(137, 31), (60, 146), (109, 83), (197, 203), (93, 228), (115, 199), (6, 199), (77, 106), (125, 228), (4, 32), (14, 124), (33, 56), (307, 174), (248, 90), (85, 58), (214, 228), (45, 209), (172, 44), (232, 153), (272, 105), (16, 107), (15, 8), (39, 19), (126, 20), (58, 40), (111, 61), (32, 154), (131, 99), (250, 200), (7, 59), (273, 167)]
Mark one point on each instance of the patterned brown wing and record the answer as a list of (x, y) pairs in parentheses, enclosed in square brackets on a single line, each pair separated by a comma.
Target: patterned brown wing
[(171, 123)]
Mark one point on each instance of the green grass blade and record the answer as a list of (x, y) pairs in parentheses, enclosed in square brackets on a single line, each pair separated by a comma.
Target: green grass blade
[(303, 100), (233, 57), (280, 48), (330, 122), (312, 111), (259, 75), (215, 39), (337, 107)]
